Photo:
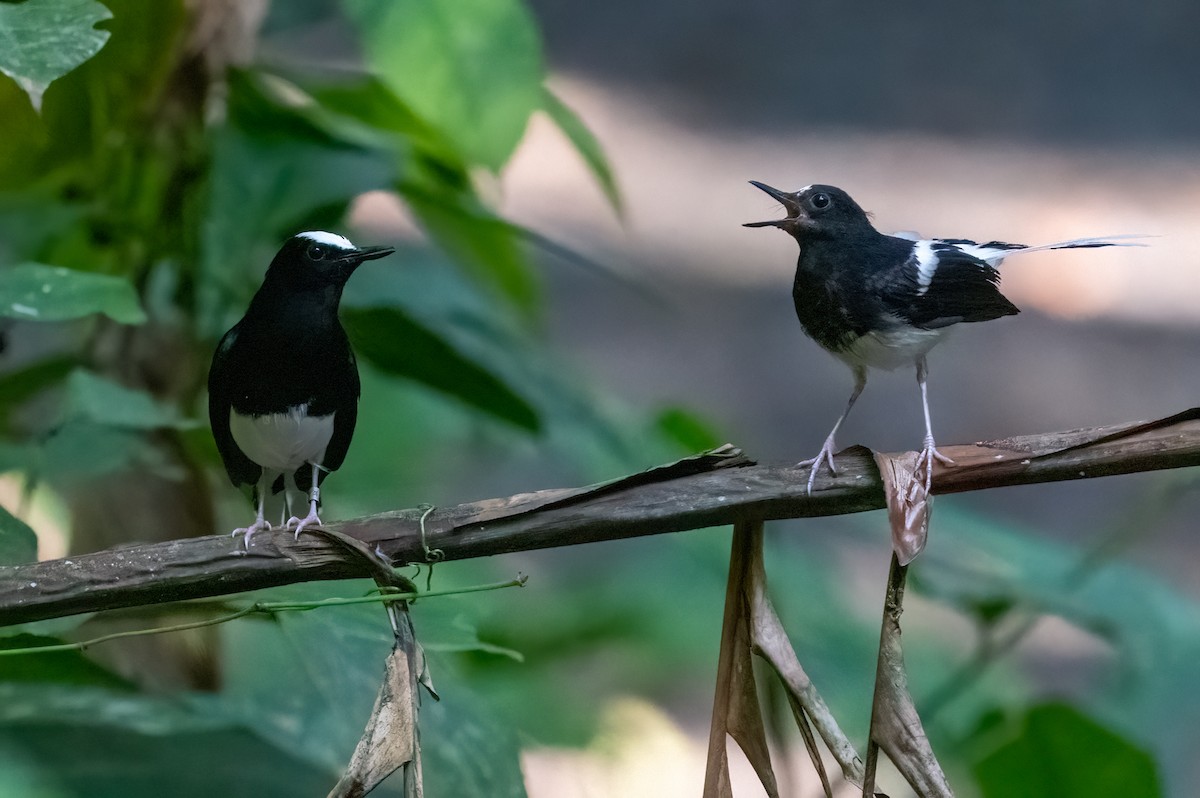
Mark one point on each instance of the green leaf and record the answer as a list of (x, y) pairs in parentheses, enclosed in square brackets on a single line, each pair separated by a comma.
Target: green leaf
[(455, 633), (692, 433), (93, 398), (102, 429), (1062, 753), (50, 629), (15, 456), (81, 448), (396, 343), (231, 762), (106, 703), (1147, 688), (372, 104), (472, 68), (278, 680), (19, 386), (18, 543), (275, 172), (36, 292), (69, 151), (124, 743), (59, 667), (42, 40), (467, 754), (487, 246), (578, 422), (585, 144), (19, 776)]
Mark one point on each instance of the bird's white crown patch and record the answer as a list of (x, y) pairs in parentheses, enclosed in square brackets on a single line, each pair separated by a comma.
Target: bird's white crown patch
[(328, 239)]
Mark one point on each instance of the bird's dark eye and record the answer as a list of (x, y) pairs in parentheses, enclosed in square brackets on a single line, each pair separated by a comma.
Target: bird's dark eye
[(316, 252), (820, 201)]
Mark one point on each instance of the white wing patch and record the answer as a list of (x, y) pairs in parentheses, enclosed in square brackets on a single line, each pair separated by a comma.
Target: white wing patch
[(927, 263), (282, 441), (992, 256), (328, 239)]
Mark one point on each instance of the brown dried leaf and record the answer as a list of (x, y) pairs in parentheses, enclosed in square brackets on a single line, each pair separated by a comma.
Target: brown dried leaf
[(390, 740), (895, 726), (810, 743), (735, 707), (725, 456), (771, 642), (908, 505)]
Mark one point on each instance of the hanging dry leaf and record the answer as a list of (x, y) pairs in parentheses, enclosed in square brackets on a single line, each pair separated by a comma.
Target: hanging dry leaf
[(908, 504), (895, 726), (751, 625), (390, 740), (771, 642), (735, 708)]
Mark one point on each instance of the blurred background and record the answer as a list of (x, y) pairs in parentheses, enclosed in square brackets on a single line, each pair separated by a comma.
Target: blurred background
[(603, 284)]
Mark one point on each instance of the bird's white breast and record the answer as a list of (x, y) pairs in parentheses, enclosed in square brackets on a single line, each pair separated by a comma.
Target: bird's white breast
[(282, 441), (891, 349)]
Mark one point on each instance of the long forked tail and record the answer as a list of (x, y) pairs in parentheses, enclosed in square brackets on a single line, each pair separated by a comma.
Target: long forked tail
[(995, 251), (1126, 240)]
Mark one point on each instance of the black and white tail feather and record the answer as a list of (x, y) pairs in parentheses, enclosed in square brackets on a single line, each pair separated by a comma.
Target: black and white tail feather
[(994, 252)]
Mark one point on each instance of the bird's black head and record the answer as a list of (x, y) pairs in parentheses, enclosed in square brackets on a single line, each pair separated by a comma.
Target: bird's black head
[(319, 260), (816, 212)]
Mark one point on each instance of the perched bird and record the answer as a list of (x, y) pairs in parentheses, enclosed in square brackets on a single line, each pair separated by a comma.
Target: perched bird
[(881, 301), (283, 387)]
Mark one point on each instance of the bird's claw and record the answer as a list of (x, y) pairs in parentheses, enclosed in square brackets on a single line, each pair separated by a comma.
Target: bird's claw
[(300, 523), (925, 462), (825, 455), (260, 525)]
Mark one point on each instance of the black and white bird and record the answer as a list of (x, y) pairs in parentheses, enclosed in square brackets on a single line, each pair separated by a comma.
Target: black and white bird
[(881, 301), (283, 387)]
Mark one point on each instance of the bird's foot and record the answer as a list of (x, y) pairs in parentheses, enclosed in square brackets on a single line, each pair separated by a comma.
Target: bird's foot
[(260, 525), (925, 462), (826, 456), (312, 519)]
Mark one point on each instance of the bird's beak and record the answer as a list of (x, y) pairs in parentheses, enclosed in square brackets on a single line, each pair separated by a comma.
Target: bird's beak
[(363, 254), (787, 200)]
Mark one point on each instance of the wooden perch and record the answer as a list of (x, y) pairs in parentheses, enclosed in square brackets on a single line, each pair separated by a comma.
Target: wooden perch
[(717, 488)]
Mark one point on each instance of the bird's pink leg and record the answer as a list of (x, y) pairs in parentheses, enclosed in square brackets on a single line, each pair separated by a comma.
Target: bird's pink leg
[(929, 452), (314, 500), (826, 453), (260, 524)]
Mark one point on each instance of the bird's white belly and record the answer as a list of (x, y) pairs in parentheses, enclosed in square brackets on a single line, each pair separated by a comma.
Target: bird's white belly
[(282, 441), (891, 349)]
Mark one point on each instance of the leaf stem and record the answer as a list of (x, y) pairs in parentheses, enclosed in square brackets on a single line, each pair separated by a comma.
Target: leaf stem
[(266, 607)]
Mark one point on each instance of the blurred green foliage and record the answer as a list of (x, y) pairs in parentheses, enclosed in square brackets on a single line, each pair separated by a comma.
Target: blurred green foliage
[(141, 203), (138, 210), (1060, 752)]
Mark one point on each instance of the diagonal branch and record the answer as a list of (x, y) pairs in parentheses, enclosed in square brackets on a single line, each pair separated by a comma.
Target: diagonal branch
[(717, 488)]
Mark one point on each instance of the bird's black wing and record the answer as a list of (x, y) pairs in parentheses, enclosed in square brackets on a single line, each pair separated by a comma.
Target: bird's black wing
[(222, 381), (959, 288), (345, 417)]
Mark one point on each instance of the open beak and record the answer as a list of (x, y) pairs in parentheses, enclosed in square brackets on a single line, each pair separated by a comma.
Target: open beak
[(363, 254), (787, 200)]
